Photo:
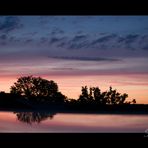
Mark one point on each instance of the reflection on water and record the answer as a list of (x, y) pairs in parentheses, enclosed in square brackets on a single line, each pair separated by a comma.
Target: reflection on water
[(33, 117), (71, 123)]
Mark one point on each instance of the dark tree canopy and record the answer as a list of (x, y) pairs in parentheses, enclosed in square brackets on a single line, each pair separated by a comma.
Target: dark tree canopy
[(37, 88), (94, 95), (34, 86)]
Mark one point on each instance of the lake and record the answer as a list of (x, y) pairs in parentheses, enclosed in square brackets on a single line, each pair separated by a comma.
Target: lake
[(43, 122)]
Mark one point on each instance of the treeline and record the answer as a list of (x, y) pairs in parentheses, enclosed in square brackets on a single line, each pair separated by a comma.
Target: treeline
[(28, 90), (94, 95)]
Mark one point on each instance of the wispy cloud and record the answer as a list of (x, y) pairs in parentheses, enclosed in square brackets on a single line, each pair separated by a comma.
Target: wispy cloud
[(58, 35), (57, 31), (3, 37), (79, 38), (131, 38), (109, 41), (145, 47), (63, 68), (108, 45), (104, 39), (9, 24), (55, 40), (85, 58)]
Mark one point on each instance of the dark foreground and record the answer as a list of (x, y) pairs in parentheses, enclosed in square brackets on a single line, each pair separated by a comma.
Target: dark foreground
[(20, 104), (106, 109)]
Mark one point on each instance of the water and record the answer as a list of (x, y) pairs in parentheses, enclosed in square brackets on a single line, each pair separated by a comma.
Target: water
[(29, 122)]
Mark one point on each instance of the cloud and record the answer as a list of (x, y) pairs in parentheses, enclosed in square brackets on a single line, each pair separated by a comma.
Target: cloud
[(79, 32), (62, 44), (77, 42), (104, 43), (73, 45), (120, 39), (30, 34), (47, 19), (145, 47), (85, 41), (128, 38), (43, 40), (104, 39), (55, 40), (56, 31), (108, 42), (3, 37), (29, 41), (63, 68), (82, 19), (9, 24), (131, 83), (131, 42), (131, 38), (78, 38), (85, 58)]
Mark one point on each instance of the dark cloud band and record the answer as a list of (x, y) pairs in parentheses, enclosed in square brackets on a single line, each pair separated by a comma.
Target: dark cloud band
[(85, 58)]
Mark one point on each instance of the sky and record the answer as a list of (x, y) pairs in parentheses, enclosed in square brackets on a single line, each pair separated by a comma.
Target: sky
[(75, 51)]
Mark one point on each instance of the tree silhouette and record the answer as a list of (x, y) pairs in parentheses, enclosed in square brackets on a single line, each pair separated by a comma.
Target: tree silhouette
[(2, 94), (97, 94), (38, 89), (134, 101), (111, 96), (114, 97), (58, 98), (36, 92), (86, 97)]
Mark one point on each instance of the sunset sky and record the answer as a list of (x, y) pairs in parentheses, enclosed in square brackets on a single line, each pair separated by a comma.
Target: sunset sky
[(77, 50)]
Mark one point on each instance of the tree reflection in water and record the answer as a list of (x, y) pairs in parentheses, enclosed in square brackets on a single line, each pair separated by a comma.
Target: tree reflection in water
[(33, 117)]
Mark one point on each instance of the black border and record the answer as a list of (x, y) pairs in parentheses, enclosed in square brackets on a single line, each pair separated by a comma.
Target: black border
[(73, 139), (73, 8)]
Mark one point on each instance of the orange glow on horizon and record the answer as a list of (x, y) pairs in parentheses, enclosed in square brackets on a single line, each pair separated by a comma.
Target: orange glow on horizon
[(135, 86)]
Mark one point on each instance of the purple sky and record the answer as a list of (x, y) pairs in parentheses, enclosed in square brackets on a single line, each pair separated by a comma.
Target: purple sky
[(74, 46), (118, 41)]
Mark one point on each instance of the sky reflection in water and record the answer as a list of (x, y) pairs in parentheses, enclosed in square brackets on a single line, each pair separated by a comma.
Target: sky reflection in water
[(28, 122)]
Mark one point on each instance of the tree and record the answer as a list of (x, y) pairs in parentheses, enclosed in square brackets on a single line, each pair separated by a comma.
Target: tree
[(58, 98), (134, 101), (86, 96), (114, 97), (2, 93), (95, 95), (90, 96), (36, 88), (123, 98)]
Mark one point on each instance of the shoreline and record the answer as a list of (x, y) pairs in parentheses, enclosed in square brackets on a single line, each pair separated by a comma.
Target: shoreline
[(72, 111)]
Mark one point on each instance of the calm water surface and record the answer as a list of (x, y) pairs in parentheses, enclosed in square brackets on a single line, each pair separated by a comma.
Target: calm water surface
[(65, 123)]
